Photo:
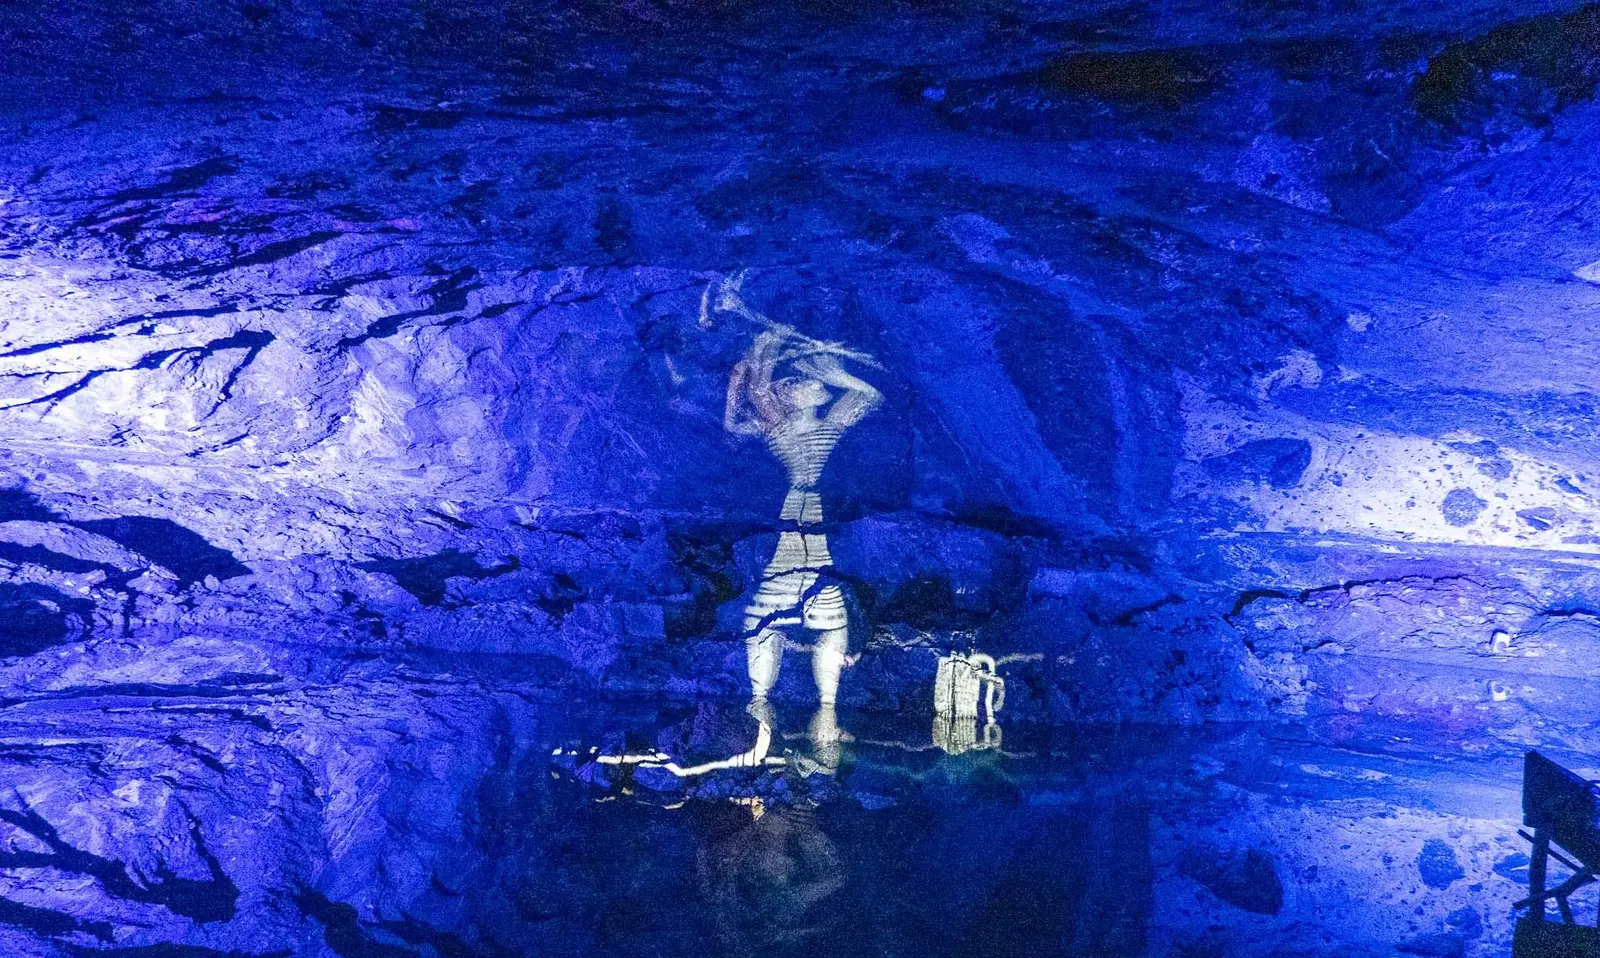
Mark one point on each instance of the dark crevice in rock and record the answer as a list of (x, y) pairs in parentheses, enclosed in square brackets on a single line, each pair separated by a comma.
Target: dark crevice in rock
[(1006, 522), (342, 930), (426, 577), (53, 754), (48, 922), (458, 524), (226, 684), (340, 287), (1127, 617), (203, 900), (448, 295), (181, 180), (923, 602), (188, 555), (106, 334), (1557, 55), (18, 503), (706, 561), (50, 559), (46, 347), (36, 617), (51, 400), (253, 719), (205, 313), (251, 339), (169, 696), (161, 541), (271, 253), (1247, 879), (560, 597), (585, 526), (500, 309), (1278, 462), (1166, 78), (1571, 612), (202, 755), (1250, 596)]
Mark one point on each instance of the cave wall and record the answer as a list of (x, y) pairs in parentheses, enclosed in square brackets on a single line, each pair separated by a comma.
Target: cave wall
[(1216, 340)]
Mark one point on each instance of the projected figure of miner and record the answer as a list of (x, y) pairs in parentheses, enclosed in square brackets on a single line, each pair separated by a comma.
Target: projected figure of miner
[(795, 393)]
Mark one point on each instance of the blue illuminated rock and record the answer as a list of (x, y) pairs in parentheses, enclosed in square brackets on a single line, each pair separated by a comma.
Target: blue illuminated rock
[(1438, 865), (1235, 367)]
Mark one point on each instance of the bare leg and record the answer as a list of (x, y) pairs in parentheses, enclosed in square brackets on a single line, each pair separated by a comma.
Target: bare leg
[(826, 737), (764, 653), (827, 661)]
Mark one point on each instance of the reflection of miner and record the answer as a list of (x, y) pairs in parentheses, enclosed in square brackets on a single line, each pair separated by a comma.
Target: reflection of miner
[(786, 412), (775, 884)]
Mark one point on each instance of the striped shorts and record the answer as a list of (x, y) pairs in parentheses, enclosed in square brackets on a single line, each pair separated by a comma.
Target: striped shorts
[(790, 595)]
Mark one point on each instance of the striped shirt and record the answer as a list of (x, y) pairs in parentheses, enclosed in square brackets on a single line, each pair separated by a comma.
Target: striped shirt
[(803, 444)]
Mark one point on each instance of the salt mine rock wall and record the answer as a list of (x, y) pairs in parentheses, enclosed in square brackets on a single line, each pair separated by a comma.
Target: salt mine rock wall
[(1212, 344), (363, 381)]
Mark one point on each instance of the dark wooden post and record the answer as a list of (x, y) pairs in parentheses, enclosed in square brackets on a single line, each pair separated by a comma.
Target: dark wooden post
[(1536, 871)]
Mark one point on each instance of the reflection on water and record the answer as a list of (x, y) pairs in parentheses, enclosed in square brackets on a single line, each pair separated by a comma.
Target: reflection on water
[(774, 882), (1069, 841), (901, 852), (920, 881), (829, 844)]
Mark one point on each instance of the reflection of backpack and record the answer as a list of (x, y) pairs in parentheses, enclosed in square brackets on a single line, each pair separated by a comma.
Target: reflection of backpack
[(958, 735), (961, 680)]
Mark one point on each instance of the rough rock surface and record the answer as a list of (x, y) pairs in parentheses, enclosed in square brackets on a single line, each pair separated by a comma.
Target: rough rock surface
[(1237, 361)]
